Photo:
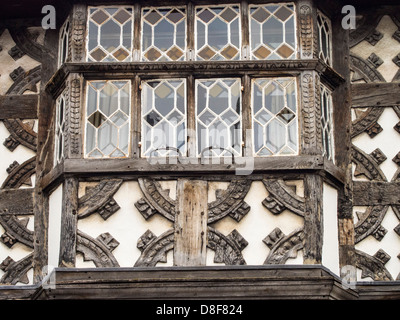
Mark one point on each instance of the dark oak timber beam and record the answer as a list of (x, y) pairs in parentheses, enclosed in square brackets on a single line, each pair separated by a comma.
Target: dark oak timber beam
[(18, 106), (17, 201), (366, 193), (375, 94)]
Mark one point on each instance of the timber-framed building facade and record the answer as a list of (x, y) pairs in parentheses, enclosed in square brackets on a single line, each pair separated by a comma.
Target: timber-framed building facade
[(200, 149)]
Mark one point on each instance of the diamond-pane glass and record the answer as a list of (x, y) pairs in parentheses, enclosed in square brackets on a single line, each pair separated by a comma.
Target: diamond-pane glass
[(63, 44), (59, 129), (325, 38), (218, 117), (164, 34), (107, 119), (274, 108), (110, 34), (218, 32), (163, 117), (327, 122), (272, 31)]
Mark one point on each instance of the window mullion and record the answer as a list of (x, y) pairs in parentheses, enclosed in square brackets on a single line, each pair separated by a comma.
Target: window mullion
[(136, 56), (247, 149), (190, 32), (136, 118), (191, 117), (244, 8)]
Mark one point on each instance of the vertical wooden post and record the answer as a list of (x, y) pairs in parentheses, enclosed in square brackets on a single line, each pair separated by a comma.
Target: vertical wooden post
[(342, 139), (190, 33), (44, 155), (191, 117), (313, 223), (191, 223), (69, 221)]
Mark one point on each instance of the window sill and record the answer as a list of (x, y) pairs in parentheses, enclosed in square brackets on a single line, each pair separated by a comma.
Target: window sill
[(103, 70), (247, 168)]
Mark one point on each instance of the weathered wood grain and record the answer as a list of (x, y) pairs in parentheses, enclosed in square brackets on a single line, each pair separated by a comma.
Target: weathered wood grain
[(313, 223), (19, 106), (191, 223), (69, 220), (17, 201), (375, 94), (368, 193)]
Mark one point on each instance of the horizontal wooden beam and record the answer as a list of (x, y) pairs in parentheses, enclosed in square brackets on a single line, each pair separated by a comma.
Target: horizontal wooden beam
[(95, 70), (366, 193), (235, 282), (17, 201), (19, 106), (375, 94), (192, 165)]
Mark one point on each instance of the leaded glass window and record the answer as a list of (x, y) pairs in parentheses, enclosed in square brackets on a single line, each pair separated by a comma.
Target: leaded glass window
[(59, 129), (218, 32), (110, 34), (327, 122), (163, 34), (163, 117), (272, 31), (325, 38), (63, 44), (108, 119), (218, 117), (274, 111)]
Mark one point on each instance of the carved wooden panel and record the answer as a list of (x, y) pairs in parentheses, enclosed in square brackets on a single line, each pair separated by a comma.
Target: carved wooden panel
[(374, 49)]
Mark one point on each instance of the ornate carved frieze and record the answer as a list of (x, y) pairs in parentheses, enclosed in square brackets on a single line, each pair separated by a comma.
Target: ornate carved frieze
[(228, 249), (375, 60), (27, 43), (98, 250), (154, 249), (74, 117), (15, 231), (311, 113), (21, 133), (16, 53), (366, 165), (373, 266), (26, 81), (19, 174), (155, 200), (374, 37), (370, 223), (77, 44), (283, 247), (99, 199), (16, 271), (364, 70), (282, 197), (306, 31), (230, 202), (366, 29), (368, 122)]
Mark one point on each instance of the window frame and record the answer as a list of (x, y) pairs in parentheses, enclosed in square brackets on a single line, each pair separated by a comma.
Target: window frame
[(192, 69)]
